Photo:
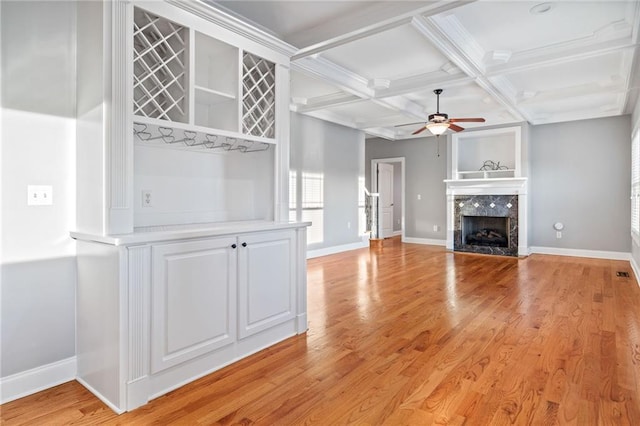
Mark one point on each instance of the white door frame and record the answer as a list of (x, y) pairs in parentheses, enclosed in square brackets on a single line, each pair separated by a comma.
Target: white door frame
[(374, 183)]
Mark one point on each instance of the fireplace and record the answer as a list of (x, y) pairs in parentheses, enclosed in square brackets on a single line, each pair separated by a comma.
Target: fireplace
[(486, 224), (485, 231)]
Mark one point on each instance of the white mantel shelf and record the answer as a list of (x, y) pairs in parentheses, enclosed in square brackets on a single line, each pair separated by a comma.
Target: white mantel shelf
[(495, 186)]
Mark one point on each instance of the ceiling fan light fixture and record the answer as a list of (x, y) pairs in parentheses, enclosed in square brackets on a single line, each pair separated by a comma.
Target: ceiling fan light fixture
[(437, 128)]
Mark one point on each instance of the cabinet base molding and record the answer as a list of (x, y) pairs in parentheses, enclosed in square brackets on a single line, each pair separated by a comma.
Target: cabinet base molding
[(173, 378)]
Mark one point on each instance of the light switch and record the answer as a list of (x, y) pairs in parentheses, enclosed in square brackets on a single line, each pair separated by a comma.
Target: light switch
[(39, 195)]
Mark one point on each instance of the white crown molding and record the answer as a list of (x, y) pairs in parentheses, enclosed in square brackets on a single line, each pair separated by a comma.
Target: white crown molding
[(335, 74), (381, 132), (333, 118), (226, 20), (324, 101), (462, 39)]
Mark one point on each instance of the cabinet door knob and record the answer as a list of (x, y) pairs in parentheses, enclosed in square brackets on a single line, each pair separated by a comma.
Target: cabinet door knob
[(233, 246), (244, 244)]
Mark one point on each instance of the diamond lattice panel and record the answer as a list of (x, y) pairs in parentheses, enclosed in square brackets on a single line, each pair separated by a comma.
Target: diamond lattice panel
[(259, 96), (159, 70)]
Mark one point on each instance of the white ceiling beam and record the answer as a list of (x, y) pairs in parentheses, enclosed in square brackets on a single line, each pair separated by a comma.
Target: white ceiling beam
[(325, 101), (422, 82), (332, 73), (456, 53), (546, 57), (405, 18)]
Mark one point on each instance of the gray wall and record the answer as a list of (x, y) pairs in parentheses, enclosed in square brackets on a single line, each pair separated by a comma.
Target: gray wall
[(424, 175), (580, 176), (337, 153), (38, 147)]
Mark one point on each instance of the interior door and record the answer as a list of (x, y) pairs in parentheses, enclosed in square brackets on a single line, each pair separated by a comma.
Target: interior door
[(385, 206)]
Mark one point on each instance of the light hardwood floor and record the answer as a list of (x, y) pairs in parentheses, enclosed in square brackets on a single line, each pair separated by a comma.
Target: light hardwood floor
[(412, 334)]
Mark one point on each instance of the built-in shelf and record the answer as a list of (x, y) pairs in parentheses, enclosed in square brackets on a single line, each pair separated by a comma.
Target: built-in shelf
[(486, 174), (208, 96)]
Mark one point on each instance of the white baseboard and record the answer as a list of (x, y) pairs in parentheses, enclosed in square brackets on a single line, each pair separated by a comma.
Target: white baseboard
[(427, 241), (636, 269), (99, 396), (40, 378), (597, 254), (396, 233), (336, 249)]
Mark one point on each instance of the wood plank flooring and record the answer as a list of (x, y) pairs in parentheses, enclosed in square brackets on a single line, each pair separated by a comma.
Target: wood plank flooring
[(411, 334)]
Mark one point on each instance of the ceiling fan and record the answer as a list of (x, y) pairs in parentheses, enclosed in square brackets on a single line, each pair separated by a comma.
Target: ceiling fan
[(439, 122)]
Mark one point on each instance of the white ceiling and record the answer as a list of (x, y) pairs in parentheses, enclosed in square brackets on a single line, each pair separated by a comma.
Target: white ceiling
[(373, 65)]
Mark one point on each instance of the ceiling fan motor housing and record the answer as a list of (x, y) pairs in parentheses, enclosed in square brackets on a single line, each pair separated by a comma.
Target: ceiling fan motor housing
[(439, 117)]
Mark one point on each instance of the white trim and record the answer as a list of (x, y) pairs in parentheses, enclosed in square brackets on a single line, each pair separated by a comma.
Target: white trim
[(403, 171), (427, 241), (636, 269), (100, 396), (396, 233), (597, 254), (336, 249), (37, 379)]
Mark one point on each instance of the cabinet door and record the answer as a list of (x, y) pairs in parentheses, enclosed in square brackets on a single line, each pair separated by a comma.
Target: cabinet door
[(266, 278), (193, 300)]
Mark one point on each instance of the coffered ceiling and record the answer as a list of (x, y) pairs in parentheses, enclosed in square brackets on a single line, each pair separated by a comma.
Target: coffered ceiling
[(373, 65)]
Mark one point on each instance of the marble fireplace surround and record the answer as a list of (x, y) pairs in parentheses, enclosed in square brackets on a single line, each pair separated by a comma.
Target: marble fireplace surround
[(500, 192), (487, 206)]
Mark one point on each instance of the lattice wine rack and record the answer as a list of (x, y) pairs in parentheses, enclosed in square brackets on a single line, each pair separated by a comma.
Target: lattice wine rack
[(259, 96), (159, 68)]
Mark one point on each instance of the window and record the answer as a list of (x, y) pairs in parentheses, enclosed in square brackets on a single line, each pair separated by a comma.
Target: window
[(293, 195), (313, 205), (635, 187)]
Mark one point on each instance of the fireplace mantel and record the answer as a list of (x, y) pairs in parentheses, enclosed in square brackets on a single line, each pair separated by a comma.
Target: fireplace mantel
[(495, 186), (506, 147)]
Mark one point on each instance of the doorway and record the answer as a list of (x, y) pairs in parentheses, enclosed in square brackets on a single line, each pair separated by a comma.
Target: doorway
[(388, 180)]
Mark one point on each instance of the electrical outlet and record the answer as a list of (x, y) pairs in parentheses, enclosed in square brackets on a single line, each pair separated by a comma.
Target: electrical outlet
[(348, 225), (39, 195), (398, 221), (436, 228), (419, 197), (558, 234), (147, 198)]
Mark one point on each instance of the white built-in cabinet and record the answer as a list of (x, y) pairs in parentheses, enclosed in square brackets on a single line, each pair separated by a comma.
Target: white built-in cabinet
[(208, 293), (185, 261)]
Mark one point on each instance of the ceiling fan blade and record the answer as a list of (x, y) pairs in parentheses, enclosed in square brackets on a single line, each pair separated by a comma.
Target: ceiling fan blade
[(468, 120), (409, 124), (455, 128), (420, 130)]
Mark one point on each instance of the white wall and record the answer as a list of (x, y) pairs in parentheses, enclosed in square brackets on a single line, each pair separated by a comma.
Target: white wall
[(336, 155), (38, 147)]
